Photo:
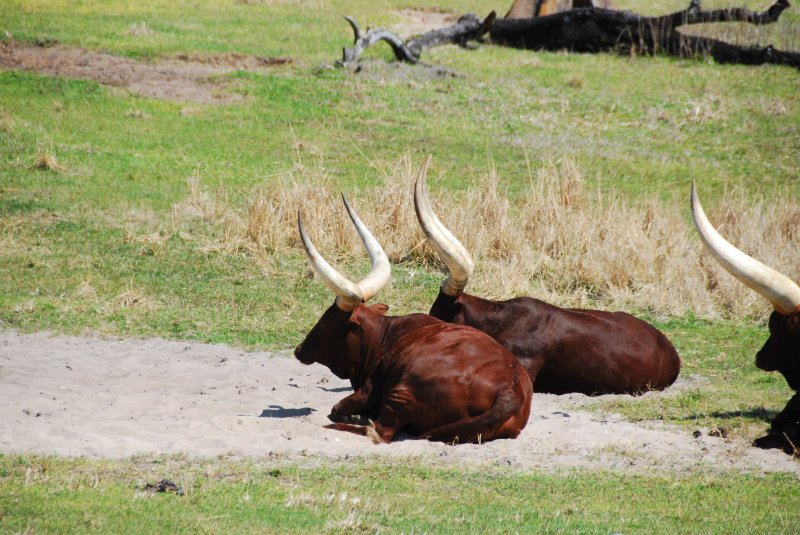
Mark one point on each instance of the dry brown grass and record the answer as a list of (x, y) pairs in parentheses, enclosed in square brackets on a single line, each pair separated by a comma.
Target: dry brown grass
[(139, 29), (556, 240), (133, 298), (47, 161), (7, 121)]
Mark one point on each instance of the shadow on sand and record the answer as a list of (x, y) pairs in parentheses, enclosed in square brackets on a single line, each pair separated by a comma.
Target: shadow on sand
[(276, 411)]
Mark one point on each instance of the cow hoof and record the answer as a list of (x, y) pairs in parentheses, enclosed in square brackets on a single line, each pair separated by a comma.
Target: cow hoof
[(787, 440), (354, 419), (768, 442)]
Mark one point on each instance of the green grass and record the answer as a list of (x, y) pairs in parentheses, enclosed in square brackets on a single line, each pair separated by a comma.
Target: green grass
[(47, 495)]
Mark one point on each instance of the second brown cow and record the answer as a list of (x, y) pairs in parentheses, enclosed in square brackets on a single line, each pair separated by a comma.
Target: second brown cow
[(563, 349)]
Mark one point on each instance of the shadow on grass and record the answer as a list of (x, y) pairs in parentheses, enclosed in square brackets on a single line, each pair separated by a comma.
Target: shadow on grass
[(755, 413)]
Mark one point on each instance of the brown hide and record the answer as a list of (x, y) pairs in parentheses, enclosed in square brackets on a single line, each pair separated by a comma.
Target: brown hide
[(571, 350), (522, 9), (526, 9), (441, 381)]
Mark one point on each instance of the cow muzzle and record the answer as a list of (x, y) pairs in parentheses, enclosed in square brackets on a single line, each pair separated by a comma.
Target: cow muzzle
[(763, 362), (298, 352)]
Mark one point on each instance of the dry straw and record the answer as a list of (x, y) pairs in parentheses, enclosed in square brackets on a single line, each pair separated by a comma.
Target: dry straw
[(556, 240)]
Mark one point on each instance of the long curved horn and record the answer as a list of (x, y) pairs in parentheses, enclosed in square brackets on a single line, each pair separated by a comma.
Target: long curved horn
[(778, 289), (381, 271), (348, 295), (453, 254)]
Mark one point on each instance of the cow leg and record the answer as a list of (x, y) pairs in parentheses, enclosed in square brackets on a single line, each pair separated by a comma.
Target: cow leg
[(355, 419), (388, 421), (391, 417), (355, 408), (377, 431), (790, 414)]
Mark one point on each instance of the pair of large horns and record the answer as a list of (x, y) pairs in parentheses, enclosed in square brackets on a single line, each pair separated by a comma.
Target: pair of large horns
[(450, 251), (778, 289), (350, 294)]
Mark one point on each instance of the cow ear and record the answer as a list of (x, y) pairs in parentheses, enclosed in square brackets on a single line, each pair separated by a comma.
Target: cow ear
[(357, 316), (379, 308)]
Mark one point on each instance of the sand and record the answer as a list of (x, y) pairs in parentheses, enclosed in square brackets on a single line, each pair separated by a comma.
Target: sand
[(101, 398)]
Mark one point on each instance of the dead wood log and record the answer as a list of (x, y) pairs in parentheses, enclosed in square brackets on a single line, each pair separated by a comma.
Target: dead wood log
[(469, 27), (597, 30)]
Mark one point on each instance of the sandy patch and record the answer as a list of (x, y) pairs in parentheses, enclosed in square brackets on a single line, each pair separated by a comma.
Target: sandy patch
[(73, 396), (193, 78)]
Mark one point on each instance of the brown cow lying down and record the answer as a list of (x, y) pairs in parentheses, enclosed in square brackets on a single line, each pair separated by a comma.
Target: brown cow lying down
[(781, 351), (439, 381), (563, 349)]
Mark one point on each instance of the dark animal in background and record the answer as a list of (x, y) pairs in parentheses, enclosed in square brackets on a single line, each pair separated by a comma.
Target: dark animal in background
[(563, 350), (781, 352), (439, 381)]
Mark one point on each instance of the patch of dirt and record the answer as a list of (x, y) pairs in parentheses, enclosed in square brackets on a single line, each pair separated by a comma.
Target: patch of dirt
[(401, 72), (241, 62), (73, 396), (185, 78)]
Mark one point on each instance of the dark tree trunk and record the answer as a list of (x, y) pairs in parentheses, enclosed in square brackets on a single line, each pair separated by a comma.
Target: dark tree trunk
[(469, 27), (596, 30)]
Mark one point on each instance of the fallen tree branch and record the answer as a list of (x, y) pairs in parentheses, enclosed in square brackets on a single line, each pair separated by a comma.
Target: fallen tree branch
[(469, 27), (596, 30), (694, 14)]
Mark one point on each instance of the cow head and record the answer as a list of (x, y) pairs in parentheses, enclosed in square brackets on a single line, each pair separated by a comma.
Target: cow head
[(451, 252), (780, 352), (336, 340)]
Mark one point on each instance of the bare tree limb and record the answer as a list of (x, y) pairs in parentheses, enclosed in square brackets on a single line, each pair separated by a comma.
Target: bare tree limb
[(469, 27), (694, 14), (354, 26)]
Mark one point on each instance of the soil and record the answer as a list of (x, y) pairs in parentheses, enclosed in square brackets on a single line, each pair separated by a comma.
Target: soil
[(99, 398), (183, 78)]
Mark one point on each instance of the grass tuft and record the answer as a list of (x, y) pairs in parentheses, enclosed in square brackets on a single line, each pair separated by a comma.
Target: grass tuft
[(46, 161), (134, 298), (139, 29)]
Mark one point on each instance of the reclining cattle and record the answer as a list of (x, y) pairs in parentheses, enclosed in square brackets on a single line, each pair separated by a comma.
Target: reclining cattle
[(443, 382), (563, 350), (781, 352)]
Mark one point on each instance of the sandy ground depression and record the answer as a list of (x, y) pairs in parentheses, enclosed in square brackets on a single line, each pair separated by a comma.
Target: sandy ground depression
[(62, 395)]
